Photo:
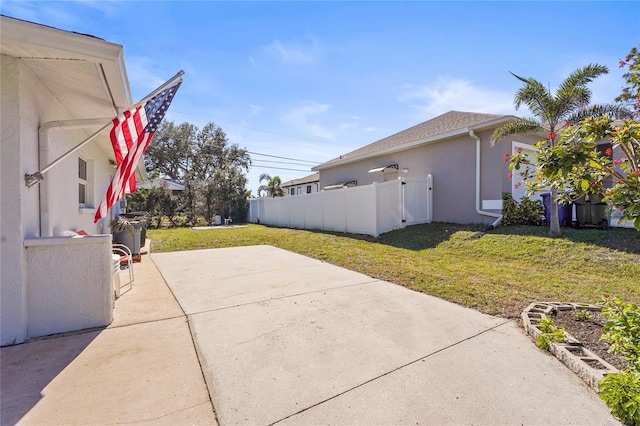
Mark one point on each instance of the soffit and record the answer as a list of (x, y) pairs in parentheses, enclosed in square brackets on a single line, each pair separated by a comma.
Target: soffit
[(78, 86)]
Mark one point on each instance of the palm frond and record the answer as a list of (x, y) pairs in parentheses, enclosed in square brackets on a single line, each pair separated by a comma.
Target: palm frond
[(580, 77), (536, 97), (521, 126), (613, 111)]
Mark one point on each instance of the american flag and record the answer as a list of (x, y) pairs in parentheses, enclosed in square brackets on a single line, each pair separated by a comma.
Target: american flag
[(131, 134)]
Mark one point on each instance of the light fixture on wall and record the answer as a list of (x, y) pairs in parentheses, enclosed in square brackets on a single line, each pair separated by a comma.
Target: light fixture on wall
[(405, 170), (113, 164)]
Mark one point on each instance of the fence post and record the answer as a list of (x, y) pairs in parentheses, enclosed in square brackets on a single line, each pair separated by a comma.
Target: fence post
[(376, 205), (430, 197)]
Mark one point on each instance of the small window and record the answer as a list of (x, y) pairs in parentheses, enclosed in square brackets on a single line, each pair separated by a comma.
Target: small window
[(298, 190), (308, 189), (82, 182), (293, 191)]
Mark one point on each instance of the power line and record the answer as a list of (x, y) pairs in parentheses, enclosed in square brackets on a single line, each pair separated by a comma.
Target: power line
[(283, 158), (281, 162), (282, 168)]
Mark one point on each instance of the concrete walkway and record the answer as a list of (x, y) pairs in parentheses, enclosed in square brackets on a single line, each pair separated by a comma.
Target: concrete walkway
[(291, 340), (142, 369), (281, 338)]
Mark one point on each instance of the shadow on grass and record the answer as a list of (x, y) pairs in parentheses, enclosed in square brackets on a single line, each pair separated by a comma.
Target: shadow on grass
[(427, 236), (415, 237), (621, 239)]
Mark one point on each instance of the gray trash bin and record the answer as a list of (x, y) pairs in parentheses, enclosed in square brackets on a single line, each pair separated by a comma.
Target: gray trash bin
[(130, 237)]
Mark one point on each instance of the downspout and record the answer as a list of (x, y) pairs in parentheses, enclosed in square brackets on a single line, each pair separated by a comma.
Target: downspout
[(478, 174), (46, 228)]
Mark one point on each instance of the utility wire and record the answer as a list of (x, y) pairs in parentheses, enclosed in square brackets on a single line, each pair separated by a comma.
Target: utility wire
[(280, 162), (282, 168), (283, 158)]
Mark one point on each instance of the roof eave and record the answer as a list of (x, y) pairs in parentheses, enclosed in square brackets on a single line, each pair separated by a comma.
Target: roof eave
[(419, 142)]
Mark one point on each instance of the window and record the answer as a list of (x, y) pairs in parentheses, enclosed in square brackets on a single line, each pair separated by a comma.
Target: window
[(298, 192), (82, 182), (293, 191), (308, 189)]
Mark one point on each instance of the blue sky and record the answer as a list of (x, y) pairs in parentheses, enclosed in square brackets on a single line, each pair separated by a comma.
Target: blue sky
[(313, 80)]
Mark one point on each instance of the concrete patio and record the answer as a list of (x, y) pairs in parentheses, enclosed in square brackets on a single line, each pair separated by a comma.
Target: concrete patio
[(258, 335)]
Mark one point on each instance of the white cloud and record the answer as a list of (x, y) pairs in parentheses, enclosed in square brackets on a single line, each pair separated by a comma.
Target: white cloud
[(452, 94), (255, 109), (294, 53), (141, 73), (307, 117)]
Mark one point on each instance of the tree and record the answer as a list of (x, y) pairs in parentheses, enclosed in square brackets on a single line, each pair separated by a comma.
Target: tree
[(552, 111), (272, 188), (212, 169), (581, 165)]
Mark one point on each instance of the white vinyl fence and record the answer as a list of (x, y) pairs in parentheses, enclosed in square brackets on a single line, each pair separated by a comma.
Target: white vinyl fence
[(369, 209)]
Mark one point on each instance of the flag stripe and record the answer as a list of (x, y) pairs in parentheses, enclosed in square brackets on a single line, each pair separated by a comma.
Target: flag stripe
[(130, 136)]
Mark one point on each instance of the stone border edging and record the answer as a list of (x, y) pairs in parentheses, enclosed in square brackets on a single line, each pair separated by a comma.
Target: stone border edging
[(576, 357)]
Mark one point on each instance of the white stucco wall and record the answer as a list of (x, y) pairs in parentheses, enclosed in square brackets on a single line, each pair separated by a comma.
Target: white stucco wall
[(69, 284), (26, 105)]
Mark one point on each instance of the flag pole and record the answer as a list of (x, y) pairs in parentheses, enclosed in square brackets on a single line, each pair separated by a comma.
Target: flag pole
[(34, 178)]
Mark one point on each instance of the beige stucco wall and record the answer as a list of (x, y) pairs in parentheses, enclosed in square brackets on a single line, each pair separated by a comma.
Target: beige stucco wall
[(453, 165)]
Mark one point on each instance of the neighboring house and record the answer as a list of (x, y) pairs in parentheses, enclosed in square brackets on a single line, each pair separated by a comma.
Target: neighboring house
[(58, 88), (306, 185), (469, 175), (171, 184)]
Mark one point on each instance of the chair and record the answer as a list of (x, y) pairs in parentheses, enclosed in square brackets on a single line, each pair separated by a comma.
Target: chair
[(122, 259)]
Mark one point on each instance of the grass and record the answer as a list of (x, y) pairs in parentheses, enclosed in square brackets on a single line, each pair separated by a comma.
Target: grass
[(499, 273)]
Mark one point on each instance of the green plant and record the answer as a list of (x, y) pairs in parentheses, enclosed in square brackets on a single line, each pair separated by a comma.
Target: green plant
[(526, 212), (549, 332), (621, 393), (622, 330), (583, 315)]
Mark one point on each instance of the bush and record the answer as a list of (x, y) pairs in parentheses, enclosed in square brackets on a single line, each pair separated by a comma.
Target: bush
[(621, 391), (526, 212)]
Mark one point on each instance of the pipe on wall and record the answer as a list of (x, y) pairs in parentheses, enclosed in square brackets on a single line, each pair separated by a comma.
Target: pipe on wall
[(478, 174)]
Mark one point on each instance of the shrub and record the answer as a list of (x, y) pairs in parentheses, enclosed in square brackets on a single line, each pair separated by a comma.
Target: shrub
[(621, 391), (549, 333), (526, 212)]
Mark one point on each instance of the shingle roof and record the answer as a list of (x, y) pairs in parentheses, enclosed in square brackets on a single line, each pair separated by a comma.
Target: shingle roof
[(441, 125), (307, 179)]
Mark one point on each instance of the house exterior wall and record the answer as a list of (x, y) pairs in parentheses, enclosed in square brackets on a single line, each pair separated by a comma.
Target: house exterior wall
[(301, 189), (18, 206), (26, 104), (453, 165)]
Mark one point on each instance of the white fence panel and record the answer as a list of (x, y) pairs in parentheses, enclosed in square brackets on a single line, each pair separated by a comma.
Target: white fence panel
[(389, 206), (361, 209), (297, 208), (282, 212), (369, 209), (269, 211), (417, 201), (313, 210), (333, 210)]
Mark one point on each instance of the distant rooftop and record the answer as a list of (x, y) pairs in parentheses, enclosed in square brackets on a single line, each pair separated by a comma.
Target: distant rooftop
[(307, 179)]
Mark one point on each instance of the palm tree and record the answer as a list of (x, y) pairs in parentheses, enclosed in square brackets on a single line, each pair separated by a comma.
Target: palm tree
[(552, 111), (272, 188)]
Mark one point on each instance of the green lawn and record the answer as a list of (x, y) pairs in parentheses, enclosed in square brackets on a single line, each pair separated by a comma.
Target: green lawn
[(499, 273)]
